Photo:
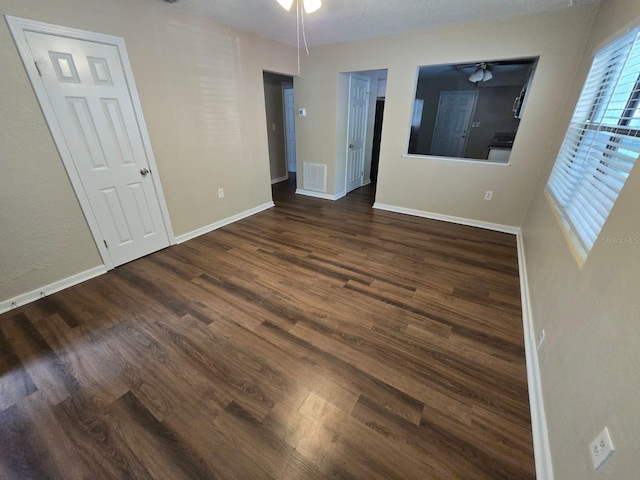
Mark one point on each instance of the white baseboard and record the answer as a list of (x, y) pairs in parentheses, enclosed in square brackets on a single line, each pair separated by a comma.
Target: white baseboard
[(54, 287), (541, 448), (214, 226), (325, 196), (366, 182), (449, 218), (280, 179)]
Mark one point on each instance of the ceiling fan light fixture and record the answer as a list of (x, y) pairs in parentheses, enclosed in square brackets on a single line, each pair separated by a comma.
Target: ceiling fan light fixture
[(286, 4), (311, 6), (481, 74), (477, 76)]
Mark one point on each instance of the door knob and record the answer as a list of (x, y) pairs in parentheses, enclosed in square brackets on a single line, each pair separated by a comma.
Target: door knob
[(144, 172), (351, 145)]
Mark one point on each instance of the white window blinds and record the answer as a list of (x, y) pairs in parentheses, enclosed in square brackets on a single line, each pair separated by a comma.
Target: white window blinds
[(602, 142)]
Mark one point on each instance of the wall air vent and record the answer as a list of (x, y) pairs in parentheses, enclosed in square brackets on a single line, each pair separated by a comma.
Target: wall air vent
[(315, 177)]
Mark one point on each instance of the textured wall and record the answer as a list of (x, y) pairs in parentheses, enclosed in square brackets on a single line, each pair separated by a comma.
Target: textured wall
[(441, 186), (590, 365), (201, 90)]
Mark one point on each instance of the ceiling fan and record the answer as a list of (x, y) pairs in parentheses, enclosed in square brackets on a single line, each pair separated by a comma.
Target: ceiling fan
[(310, 6), (482, 73)]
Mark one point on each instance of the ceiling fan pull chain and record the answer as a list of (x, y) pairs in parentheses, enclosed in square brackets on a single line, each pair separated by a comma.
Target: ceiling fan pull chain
[(304, 35)]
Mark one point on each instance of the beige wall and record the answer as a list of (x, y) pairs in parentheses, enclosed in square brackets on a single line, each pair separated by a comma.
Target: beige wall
[(440, 186), (201, 90), (590, 360), (273, 100)]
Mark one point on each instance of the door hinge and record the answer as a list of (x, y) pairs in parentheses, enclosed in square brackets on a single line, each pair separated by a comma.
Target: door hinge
[(105, 244), (38, 68)]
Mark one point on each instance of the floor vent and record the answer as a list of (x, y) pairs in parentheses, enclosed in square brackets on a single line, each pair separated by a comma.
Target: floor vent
[(315, 177)]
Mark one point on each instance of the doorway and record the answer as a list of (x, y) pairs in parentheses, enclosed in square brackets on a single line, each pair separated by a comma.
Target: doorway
[(280, 117), (84, 84), (360, 170), (377, 137)]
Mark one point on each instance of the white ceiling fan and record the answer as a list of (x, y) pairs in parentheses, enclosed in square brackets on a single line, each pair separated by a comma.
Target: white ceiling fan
[(310, 6)]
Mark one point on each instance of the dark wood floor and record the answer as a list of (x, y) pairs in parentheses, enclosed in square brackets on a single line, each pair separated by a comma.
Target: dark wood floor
[(315, 340)]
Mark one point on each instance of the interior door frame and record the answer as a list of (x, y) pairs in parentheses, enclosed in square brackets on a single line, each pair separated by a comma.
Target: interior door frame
[(18, 27), (349, 119)]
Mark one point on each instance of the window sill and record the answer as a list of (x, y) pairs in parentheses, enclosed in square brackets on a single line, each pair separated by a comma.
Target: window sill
[(453, 159), (577, 250)]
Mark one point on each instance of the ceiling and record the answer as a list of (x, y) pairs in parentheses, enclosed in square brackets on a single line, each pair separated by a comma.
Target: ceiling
[(346, 20)]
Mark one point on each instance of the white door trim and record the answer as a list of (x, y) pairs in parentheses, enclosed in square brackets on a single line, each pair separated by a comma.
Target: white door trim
[(18, 27)]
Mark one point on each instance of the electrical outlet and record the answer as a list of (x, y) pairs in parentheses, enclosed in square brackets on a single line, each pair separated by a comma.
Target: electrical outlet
[(601, 448), (488, 195), (221, 192), (540, 339)]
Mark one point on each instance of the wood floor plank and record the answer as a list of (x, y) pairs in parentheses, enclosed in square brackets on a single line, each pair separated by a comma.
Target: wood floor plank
[(15, 381), (158, 449), (38, 358), (316, 339), (77, 353), (34, 444)]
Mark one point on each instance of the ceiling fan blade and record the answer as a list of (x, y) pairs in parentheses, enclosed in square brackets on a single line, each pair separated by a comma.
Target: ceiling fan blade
[(476, 76), (311, 6), (286, 4)]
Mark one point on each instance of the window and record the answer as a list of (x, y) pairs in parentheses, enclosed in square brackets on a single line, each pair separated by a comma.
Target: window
[(602, 142)]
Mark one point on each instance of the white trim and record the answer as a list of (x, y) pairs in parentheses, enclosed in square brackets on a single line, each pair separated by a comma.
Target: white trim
[(324, 196), (18, 27), (449, 218), (214, 226), (541, 448), (366, 182), (280, 179), (54, 287), (456, 159)]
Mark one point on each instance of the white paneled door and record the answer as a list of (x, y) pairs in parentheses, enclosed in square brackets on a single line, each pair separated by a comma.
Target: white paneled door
[(453, 119), (290, 128), (357, 130), (89, 95)]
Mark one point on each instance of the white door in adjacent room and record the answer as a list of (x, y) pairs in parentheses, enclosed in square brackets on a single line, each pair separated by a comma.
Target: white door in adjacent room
[(452, 123), (357, 130), (290, 128), (87, 100)]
